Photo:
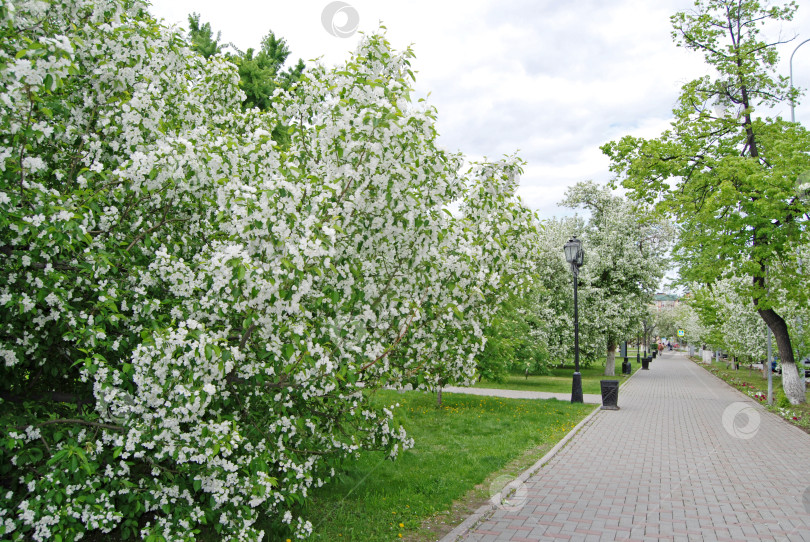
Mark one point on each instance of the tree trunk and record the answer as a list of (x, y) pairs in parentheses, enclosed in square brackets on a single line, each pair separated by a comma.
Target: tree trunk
[(610, 364), (791, 382), (439, 396)]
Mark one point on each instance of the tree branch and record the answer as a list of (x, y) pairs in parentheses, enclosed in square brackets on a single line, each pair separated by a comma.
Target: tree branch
[(81, 422), (162, 223), (51, 396)]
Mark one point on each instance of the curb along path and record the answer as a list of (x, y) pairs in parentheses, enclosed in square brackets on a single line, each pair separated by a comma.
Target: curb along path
[(587, 398), (686, 458)]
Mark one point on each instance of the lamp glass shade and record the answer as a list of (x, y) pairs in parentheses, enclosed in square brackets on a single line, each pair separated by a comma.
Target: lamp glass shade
[(573, 251)]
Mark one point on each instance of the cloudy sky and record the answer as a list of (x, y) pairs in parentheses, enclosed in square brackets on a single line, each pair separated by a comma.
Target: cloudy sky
[(551, 79)]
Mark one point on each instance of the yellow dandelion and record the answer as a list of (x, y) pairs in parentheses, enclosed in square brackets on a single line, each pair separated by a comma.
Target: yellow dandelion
[(401, 525)]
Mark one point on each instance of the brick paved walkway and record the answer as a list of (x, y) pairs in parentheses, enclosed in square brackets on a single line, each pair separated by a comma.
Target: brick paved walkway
[(686, 458)]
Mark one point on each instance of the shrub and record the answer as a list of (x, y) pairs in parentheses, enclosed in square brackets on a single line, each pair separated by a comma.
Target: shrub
[(191, 310)]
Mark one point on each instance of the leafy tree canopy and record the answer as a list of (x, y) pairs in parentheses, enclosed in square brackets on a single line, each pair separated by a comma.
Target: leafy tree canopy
[(260, 72), (726, 172)]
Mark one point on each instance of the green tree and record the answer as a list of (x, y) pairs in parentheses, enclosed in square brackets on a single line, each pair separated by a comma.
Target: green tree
[(201, 37), (514, 339), (260, 72), (726, 173)]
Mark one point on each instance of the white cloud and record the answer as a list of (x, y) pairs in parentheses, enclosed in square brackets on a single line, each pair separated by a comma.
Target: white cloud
[(553, 79)]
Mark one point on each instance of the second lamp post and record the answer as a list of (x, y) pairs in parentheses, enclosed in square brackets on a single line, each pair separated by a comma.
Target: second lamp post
[(574, 256)]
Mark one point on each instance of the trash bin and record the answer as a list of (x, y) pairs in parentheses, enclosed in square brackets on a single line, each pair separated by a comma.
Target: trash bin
[(645, 364), (610, 394)]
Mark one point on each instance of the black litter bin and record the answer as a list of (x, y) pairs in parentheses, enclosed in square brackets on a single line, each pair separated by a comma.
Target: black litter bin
[(610, 394), (645, 364)]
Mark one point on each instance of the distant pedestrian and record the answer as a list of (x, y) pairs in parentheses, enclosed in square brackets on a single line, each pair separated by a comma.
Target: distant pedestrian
[(660, 348)]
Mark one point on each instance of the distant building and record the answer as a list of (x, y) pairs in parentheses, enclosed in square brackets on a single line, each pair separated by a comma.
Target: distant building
[(665, 301)]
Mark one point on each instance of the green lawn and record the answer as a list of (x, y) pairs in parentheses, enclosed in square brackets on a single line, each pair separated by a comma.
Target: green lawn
[(465, 444), (559, 381)]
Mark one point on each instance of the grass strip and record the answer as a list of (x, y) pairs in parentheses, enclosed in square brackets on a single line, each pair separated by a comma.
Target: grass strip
[(560, 379), (462, 447)]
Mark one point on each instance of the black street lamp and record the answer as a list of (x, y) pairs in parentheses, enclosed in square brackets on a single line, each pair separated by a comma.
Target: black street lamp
[(574, 256)]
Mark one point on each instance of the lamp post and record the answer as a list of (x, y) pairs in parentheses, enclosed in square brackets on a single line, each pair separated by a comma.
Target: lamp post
[(792, 115), (793, 119), (575, 256)]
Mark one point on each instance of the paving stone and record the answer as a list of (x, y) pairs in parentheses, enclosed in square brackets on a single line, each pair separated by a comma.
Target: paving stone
[(679, 468)]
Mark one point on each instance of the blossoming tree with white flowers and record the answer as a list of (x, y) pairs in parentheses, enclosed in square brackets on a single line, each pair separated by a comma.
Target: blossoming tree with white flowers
[(731, 320), (193, 313), (625, 260)]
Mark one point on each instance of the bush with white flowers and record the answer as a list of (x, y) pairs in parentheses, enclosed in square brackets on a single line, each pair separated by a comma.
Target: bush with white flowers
[(193, 315)]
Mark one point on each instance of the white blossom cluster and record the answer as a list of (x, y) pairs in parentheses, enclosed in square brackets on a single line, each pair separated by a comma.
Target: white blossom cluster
[(723, 316), (626, 256), (198, 300)]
